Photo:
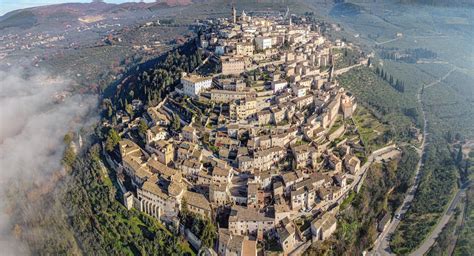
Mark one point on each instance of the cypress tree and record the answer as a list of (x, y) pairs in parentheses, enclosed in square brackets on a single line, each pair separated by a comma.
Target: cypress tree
[(459, 156)]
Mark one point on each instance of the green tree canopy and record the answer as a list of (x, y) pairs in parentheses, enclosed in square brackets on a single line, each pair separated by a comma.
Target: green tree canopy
[(142, 127), (113, 139)]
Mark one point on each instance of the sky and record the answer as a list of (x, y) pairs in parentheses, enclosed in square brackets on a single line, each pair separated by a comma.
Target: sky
[(10, 5)]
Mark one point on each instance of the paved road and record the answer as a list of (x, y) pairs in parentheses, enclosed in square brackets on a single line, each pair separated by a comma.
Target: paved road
[(431, 239), (458, 224), (382, 245)]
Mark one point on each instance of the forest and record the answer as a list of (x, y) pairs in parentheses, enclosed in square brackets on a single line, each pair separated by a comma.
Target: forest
[(153, 84)]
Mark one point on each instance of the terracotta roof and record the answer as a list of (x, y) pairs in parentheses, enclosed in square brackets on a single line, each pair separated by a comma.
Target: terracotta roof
[(154, 189), (325, 222), (197, 200), (175, 188), (249, 247), (220, 172)]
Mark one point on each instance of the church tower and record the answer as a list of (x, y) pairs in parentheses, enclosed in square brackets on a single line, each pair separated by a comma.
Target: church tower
[(234, 14)]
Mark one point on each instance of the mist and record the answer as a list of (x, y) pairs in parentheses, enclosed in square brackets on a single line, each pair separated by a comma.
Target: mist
[(37, 110)]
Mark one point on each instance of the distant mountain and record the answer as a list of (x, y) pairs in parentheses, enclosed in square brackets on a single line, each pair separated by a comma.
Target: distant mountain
[(20, 19), (447, 3), (73, 12)]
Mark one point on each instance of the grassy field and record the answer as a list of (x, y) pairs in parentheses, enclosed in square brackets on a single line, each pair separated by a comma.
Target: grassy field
[(371, 130)]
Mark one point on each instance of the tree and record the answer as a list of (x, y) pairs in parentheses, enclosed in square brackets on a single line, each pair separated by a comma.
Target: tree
[(458, 136), (184, 208), (176, 122), (449, 137), (68, 137), (411, 112), (459, 156), (94, 152), (142, 127), (128, 108), (208, 234), (69, 156), (112, 140)]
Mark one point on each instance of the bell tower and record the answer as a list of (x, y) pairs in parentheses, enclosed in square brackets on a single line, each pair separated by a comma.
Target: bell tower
[(234, 14)]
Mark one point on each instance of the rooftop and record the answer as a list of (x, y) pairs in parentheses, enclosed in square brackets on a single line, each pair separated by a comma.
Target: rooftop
[(195, 78), (239, 213), (197, 200)]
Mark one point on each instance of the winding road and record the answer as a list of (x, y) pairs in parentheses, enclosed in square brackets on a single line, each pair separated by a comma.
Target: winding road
[(382, 244), (431, 239)]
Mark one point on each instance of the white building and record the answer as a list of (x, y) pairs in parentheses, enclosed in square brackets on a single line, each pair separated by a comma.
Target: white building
[(156, 133), (159, 202), (246, 221), (194, 84), (263, 43), (299, 91), (278, 86)]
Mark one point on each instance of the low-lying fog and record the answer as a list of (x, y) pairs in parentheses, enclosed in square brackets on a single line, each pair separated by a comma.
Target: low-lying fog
[(36, 112)]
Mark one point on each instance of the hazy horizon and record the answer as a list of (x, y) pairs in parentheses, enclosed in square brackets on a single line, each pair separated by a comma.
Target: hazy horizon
[(12, 5)]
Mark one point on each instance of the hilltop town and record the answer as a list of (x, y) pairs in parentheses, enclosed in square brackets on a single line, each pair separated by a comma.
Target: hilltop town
[(269, 150), (191, 127)]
